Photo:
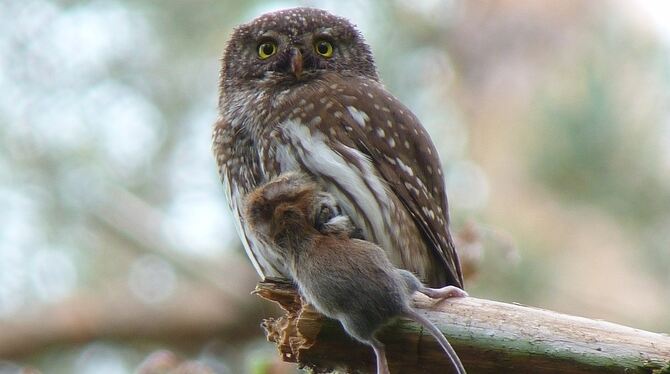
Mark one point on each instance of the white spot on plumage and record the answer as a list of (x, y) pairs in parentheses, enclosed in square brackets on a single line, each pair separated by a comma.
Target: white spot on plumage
[(358, 115), (219, 137), (315, 121), (380, 132), (429, 212), (408, 170)]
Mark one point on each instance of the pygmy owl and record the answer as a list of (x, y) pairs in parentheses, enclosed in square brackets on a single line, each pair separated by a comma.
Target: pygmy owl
[(299, 91)]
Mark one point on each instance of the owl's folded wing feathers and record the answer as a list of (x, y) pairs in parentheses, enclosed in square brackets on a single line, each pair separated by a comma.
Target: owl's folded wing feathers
[(405, 157)]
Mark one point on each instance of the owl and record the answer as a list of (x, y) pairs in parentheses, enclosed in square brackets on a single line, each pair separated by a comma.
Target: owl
[(299, 91)]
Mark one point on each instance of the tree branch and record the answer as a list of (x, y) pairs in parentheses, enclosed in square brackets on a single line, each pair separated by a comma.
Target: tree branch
[(489, 337)]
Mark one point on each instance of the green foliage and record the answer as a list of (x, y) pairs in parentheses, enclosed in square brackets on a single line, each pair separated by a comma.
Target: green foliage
[(593, 147)]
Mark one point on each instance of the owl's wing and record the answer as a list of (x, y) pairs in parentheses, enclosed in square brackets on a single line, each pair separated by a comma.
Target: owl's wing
[(377, 124), (238, 166)]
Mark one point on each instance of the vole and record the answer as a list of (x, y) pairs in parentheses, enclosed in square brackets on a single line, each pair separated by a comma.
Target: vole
[(344, 278)]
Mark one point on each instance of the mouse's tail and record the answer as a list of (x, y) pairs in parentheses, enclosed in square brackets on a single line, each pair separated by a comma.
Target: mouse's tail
[(430, 326)]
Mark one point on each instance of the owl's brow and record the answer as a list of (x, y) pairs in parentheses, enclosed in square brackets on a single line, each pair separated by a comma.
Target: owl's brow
[(324, 34), (267, 34), (324, 30)]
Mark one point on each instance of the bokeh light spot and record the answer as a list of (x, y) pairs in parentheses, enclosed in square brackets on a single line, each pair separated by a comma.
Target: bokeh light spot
[(151, 279)]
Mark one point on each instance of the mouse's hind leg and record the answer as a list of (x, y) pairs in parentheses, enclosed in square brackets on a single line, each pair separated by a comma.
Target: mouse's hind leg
[(443, 293), (362, 329), (380, 353)]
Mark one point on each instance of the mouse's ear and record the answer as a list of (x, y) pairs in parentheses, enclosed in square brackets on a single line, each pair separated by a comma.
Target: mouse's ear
[(288, 186), (273, 189)]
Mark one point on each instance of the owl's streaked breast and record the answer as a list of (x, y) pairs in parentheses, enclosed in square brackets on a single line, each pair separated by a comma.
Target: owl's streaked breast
[(313, 136)]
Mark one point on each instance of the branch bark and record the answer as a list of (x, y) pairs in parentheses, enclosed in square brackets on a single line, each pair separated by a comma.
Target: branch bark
[(489, 336)]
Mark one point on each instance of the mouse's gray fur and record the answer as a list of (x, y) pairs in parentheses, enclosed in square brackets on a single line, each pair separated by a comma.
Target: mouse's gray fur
[(345, 278)]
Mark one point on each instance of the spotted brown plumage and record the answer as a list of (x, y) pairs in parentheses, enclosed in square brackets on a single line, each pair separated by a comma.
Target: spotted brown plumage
[(331, 118)]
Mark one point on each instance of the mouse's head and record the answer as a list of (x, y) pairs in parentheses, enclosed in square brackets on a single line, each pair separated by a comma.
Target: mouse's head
[(290, 202)]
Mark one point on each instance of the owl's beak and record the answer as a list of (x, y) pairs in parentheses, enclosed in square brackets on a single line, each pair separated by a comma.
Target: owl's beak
[(296, 62)]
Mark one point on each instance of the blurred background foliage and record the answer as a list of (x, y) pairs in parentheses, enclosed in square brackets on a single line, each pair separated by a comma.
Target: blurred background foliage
[(552, 118)]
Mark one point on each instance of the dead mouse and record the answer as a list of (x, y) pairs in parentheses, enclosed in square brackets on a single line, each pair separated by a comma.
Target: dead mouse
[(344, 278)]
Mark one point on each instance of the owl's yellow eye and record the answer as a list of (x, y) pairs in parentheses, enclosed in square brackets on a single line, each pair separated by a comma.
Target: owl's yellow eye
[(324, 48), (266, 50)]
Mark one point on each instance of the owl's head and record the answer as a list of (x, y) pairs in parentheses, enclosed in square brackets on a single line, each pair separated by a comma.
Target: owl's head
[(294, 46)]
